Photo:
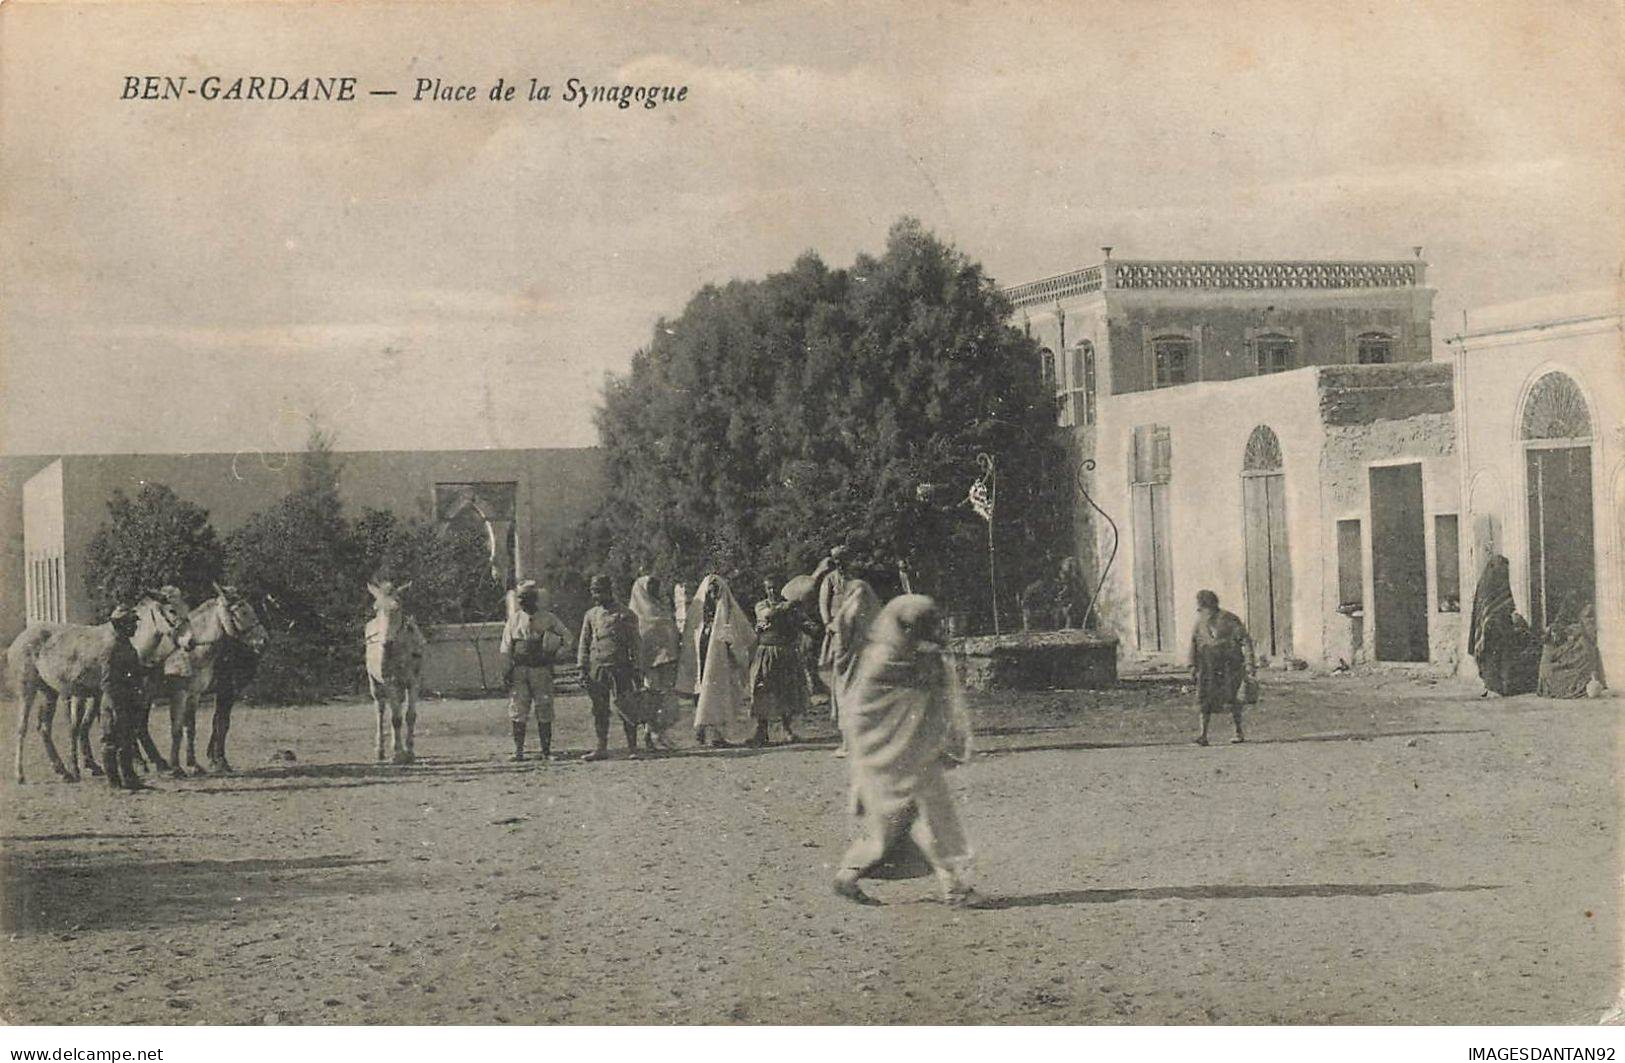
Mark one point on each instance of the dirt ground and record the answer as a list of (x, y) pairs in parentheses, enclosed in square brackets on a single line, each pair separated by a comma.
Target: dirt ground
[(1385, 850)]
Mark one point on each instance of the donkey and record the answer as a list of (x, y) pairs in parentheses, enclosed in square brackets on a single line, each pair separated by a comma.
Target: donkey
[(65, 661), (395, 650), (227, 640)]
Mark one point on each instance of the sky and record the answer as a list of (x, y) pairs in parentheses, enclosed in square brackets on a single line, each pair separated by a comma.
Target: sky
[(194, 276)]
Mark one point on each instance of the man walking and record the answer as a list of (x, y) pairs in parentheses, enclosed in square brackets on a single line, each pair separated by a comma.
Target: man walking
[(608, 654), (121, 696), (531, 642)]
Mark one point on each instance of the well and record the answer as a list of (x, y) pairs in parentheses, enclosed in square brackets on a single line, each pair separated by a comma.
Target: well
[(1037, 660)]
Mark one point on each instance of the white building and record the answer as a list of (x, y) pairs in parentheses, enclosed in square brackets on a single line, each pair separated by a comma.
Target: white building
[(1273, 431), (1541, 389)]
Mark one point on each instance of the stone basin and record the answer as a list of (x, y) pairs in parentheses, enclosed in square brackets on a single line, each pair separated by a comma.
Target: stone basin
[(1037, 660)]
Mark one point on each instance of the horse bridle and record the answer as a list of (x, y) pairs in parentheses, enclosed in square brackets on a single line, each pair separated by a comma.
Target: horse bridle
[(230, 625), (166, 622)]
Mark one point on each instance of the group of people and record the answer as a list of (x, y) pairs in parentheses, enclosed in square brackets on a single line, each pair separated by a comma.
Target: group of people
[(891, 687), (1560, 662), (636, 660)]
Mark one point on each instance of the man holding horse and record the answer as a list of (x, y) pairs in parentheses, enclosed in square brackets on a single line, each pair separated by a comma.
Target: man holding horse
[(122, 696)]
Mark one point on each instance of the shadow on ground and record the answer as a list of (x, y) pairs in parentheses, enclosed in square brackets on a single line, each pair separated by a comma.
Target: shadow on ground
[(1230, 893), (1343, 736), (67, 892)]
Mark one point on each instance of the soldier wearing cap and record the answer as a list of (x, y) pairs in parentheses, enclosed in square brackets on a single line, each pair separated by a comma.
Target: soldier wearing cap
[(608, 654), (531, 643), (121, 695)]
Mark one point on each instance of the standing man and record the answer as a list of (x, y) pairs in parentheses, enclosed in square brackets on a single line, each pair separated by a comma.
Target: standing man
[(121, 695), (608, 656), (531, 643), (1222, 657), (778, 682)]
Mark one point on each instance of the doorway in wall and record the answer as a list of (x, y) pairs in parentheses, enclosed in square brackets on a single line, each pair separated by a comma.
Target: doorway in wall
[(1556, 430), (1399, 569), (1269, 566)]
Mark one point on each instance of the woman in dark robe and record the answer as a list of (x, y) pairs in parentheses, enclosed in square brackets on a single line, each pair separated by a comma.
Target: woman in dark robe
[(1492, 639)]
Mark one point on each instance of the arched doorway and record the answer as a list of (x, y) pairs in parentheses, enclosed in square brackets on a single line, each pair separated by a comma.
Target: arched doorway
[(1556, 433), (1269, 566)]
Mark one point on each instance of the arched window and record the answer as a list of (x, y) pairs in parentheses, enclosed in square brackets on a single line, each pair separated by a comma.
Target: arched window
[(1263, 454), (1555, 409), (1273, 353), (1171, 358), (1374, 348)]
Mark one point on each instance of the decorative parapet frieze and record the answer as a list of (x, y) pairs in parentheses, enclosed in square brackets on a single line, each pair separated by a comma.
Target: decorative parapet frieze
[(1053, 289), (1248, 275), (1219, 276)]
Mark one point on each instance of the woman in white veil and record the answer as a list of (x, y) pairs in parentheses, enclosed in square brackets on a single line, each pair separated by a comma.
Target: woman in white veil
[(659, 642), (714, 663)]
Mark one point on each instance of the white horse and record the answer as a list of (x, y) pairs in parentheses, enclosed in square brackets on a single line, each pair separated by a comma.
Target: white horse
[(65, 661), (395, 650)]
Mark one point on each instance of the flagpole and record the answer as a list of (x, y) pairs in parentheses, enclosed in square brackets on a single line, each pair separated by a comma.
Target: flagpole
[(986, 462)]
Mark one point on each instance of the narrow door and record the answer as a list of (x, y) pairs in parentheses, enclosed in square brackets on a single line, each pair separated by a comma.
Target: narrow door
[(1269, 572), (1399, 563)]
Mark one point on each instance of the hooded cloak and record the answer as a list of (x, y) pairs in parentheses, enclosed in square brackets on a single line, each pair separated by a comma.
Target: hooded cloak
[(720, 684)]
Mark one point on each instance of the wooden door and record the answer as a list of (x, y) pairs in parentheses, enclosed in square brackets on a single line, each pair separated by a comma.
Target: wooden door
[(1269, 569), (1562, 548), (1399, 569)]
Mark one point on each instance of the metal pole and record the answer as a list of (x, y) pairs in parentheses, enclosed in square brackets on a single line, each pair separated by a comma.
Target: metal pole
[(986, 462), (992, 577)]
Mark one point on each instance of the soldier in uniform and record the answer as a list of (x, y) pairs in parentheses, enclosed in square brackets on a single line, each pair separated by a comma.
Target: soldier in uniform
[(608, 654), (121, 697), (531, 643)]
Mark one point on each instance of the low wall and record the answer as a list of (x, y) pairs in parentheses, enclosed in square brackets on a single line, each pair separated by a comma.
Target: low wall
[(464, 659), (1052, 660)]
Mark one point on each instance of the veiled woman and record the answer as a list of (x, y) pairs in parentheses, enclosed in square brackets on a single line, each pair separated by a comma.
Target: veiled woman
[(1570, 666), (1490, 633), (659, 643), (906, 725), (714, 663)]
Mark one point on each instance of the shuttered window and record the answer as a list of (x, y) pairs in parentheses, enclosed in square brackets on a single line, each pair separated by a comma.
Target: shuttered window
[(1153, 454)]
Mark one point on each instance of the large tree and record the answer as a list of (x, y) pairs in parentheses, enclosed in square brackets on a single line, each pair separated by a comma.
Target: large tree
[(301, 556), (776, 418), (310, 563), (150, 540)]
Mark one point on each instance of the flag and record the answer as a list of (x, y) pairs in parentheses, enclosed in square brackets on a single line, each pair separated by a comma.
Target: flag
[(981, 498)]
